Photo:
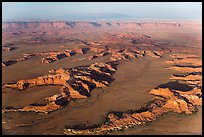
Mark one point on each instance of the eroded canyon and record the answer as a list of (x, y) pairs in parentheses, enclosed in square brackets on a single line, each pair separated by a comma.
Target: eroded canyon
[(100, 77)]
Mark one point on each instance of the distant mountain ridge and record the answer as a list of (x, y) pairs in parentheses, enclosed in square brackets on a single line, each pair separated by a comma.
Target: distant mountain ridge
[(79, 17), (80, 24)]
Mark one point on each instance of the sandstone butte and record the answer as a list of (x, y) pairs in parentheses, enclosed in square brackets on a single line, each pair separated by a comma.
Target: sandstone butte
[(166, 100), (75, 83)]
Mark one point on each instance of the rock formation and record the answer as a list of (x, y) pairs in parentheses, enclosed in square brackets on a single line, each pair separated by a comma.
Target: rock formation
[(186, 69), (183, 56), (76, 83), (8, 63), (185, 63), (98, 55), (185, 59), (3, 64), (52, 56), (5, 48), (154, 54), (11, 62), (124, 54)]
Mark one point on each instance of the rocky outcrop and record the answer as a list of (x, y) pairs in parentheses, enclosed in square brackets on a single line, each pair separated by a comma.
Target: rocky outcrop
[(186, 69), (57, 55), (39, 108), (124, 54), (8, 63), (154, 54), (129, 54), (183, 56), (187, 77), (162, 92), (184, 59), (5, 48), (118, 56), (95, 24), (53, 58), (97, 49), (3, 64), (185, 63), (193, 79), (138, 52), (76, 83), (58, 79), (11, 62), (98, 55)]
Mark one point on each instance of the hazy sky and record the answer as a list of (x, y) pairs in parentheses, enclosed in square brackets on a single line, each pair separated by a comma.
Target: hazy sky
[(59, 10)]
